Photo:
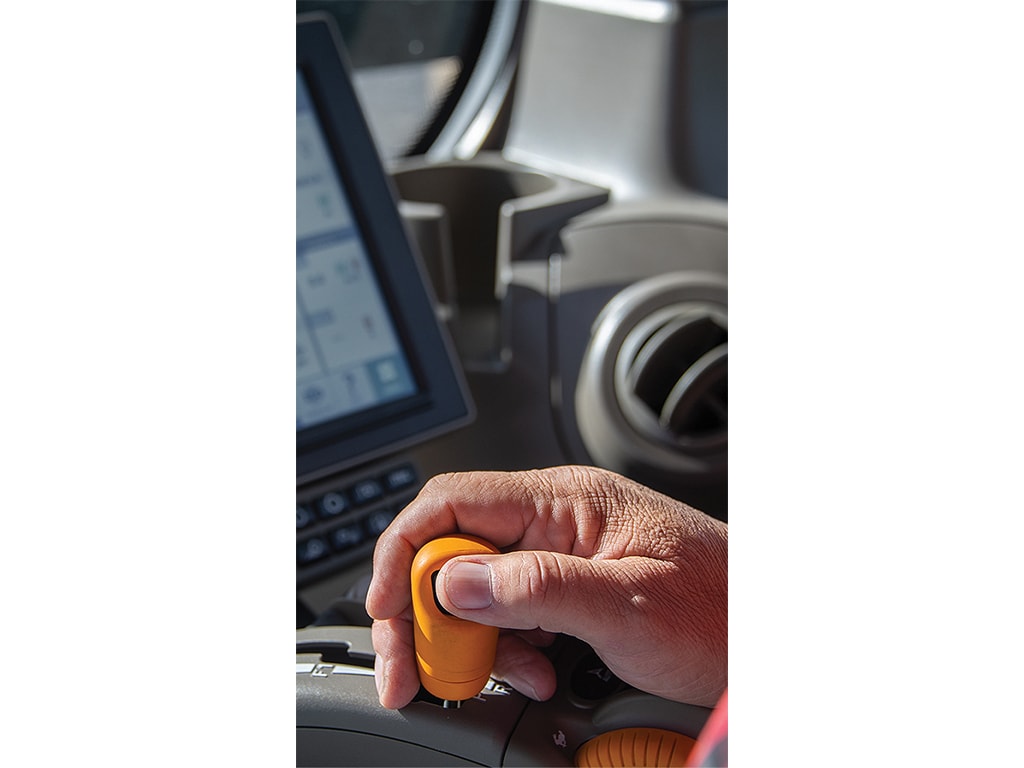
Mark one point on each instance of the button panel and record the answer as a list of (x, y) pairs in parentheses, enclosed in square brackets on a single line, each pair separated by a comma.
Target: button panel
[(338, 525)]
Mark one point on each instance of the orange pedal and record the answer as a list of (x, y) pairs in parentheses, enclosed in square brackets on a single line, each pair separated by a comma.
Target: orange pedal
[(454, 656)]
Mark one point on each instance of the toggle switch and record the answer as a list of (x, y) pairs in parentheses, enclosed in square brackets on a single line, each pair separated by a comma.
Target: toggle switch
[(454, 656)]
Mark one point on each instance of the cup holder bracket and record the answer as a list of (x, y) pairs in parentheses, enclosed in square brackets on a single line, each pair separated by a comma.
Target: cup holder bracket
[(473, 222)]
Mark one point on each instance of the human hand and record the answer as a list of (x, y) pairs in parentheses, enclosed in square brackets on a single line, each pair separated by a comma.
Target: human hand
[(639, 576)]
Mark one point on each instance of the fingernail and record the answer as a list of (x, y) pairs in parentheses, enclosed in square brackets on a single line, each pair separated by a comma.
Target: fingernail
[(467, 585), (378, 676), (527, 690)]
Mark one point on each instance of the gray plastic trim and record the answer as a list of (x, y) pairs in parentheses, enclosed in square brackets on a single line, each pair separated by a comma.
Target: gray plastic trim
[(604, 118)]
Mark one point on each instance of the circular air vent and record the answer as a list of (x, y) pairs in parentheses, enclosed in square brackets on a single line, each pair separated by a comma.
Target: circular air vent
[(671, 377), (652, 396)]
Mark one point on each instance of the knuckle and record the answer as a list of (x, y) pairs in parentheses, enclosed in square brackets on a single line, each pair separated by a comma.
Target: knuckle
[(542, 581), (439, 484), (525, 585), (542, 573)]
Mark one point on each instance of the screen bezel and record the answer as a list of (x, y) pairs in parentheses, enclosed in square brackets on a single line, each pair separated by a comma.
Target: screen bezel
[(442, 401)]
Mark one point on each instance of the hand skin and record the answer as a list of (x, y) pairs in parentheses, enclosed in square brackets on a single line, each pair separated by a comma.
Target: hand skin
[(639, 576)]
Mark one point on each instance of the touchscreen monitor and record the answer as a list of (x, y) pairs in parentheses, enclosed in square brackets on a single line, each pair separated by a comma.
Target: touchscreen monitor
[(348, 354), (375, 370)]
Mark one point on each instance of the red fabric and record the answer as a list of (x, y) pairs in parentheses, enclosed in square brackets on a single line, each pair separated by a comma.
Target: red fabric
[(712, 747)]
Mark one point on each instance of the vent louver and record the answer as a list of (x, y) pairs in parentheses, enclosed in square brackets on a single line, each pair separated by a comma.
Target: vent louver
[(675, 386), (652, 395)]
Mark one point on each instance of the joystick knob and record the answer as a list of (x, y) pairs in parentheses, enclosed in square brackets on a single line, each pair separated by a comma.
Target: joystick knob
[(454, 656)]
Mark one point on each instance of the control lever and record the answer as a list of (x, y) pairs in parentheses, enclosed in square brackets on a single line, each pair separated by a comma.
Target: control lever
[(454, 656)]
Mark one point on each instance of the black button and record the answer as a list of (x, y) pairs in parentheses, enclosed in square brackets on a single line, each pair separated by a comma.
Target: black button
[(346, 537), (400, 477), (303, 517), (332, 504), (377, 521), (366, 492), (311, 550), (591, 679)]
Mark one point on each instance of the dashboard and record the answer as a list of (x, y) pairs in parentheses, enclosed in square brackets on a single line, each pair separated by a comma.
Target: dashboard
[(556, 295), (564, 207)]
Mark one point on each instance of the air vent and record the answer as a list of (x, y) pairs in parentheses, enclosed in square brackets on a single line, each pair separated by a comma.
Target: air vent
[(672, 377), (652, 395)]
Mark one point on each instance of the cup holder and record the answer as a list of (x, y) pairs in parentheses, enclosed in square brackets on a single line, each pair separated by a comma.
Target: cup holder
[(472, 220)]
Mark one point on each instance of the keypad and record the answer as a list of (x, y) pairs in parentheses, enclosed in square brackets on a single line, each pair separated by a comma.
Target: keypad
[(338, 526)]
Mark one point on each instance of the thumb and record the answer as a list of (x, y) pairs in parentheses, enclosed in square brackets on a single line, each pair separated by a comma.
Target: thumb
[(525, 590)]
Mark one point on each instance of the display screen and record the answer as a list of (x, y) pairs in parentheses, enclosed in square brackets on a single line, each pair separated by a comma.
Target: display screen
[(348, 354)]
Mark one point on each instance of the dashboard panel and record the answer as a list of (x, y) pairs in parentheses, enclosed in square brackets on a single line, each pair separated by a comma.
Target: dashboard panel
[(529, 303)]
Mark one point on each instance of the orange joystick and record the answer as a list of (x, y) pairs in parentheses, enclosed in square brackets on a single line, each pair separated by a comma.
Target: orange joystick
[(454, 656)]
